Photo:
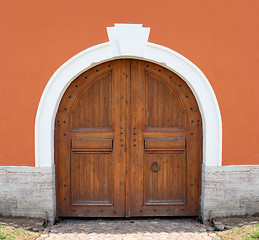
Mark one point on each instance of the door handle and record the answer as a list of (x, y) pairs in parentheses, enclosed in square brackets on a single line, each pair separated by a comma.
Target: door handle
[(155, 168)]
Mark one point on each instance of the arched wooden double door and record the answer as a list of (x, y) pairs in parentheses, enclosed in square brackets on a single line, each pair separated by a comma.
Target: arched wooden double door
[(128, 142)]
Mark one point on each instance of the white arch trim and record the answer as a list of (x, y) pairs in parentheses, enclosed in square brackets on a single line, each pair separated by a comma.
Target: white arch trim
[(128, 41)]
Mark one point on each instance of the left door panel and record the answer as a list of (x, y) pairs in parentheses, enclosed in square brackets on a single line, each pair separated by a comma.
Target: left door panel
[(89, 143)]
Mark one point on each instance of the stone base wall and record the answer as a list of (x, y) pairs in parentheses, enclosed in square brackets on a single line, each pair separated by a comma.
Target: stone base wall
[(28, 192), (230, 191), (226, 191)]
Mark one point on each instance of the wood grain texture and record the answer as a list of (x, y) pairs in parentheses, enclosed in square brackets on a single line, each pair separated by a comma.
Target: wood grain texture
[(164, 144), (163, 106), (91, 145), (92, 106), (128, 142)]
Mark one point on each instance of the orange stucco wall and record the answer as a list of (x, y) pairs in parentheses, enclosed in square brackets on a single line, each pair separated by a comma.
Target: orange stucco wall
[(221, 37)]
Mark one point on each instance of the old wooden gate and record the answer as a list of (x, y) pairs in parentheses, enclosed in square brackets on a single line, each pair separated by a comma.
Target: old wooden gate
[(128, 142)]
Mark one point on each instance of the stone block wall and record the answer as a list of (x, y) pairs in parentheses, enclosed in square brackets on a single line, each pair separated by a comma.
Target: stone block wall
[(230, 191), (226, 191), (28, 192)]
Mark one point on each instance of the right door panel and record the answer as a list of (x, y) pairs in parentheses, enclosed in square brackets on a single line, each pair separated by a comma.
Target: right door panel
[(166, 142)]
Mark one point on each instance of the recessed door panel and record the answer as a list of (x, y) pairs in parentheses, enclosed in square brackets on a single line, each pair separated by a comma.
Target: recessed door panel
[(91, 179), (163, 106), (164, 178), (92, 108)]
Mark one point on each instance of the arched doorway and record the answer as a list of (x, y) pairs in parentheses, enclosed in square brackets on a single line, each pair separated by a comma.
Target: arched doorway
[(128, 142)]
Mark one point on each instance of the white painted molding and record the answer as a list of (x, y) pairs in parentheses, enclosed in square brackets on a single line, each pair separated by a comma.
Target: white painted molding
[(128, 40)]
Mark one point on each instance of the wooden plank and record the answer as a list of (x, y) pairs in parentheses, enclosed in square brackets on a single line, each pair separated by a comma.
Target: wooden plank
[(91, 145), (165, 144)]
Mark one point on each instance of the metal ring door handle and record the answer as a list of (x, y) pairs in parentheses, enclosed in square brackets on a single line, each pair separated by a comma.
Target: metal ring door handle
[(155, 168)]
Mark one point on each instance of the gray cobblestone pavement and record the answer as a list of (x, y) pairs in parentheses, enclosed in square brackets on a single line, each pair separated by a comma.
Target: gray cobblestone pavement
[(180, 229)]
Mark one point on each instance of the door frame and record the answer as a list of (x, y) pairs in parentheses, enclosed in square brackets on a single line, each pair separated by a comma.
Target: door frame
[(128, 41)]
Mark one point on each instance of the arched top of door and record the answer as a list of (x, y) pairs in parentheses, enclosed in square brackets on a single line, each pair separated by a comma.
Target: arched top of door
[(128, 41)]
